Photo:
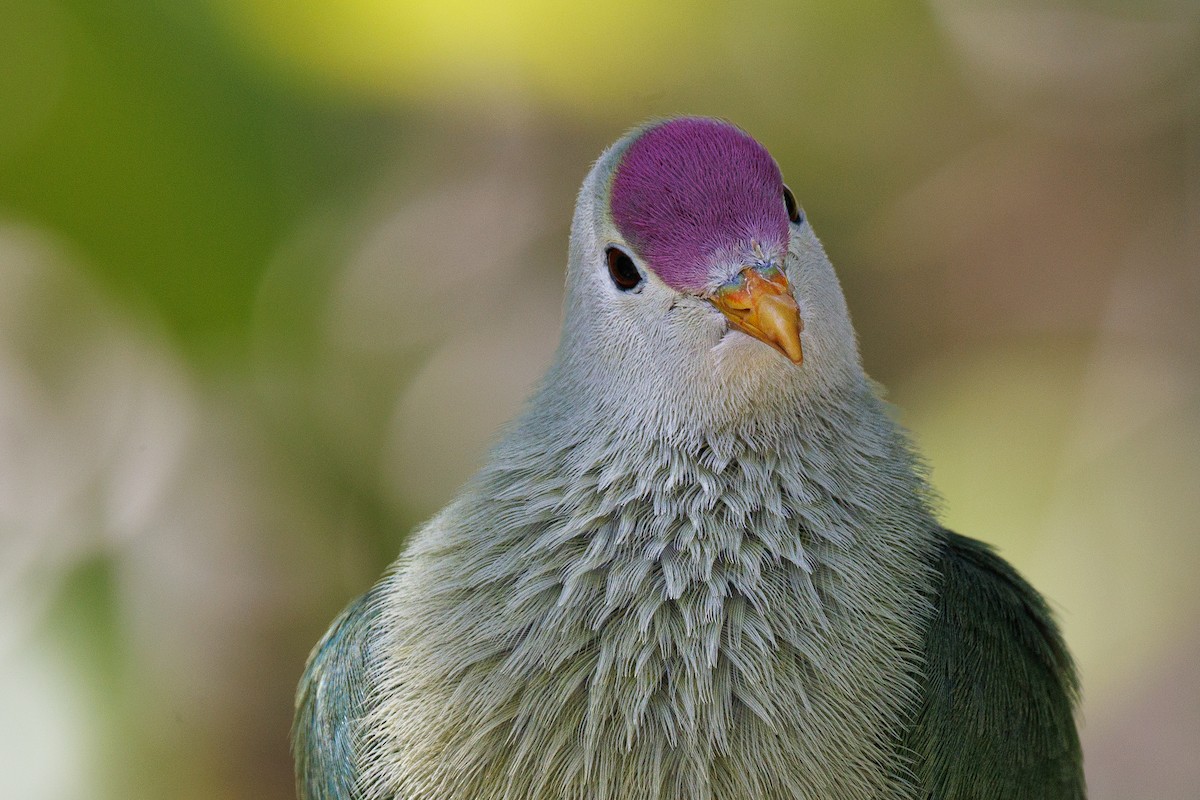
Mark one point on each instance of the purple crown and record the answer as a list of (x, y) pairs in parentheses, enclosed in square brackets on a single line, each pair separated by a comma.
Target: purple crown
[(690, 189)]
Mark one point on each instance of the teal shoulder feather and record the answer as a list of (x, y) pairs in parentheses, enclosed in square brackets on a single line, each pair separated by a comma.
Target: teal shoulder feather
[(329, 704), (996, 719)]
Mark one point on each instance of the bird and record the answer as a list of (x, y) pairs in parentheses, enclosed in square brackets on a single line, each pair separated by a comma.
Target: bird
[(705, 561)]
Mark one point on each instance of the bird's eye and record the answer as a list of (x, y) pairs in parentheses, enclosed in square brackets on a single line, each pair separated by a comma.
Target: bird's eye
[(622, 270), (795, 213)]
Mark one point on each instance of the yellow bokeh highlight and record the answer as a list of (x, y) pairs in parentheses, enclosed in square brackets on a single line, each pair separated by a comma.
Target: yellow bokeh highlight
[(461, 50)]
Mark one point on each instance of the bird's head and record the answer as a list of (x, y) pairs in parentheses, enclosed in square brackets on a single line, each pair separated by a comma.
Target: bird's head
[(695, 280)]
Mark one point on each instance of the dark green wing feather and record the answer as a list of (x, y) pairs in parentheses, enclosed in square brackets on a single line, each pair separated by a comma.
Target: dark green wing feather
[(329, 704), (996, 719)]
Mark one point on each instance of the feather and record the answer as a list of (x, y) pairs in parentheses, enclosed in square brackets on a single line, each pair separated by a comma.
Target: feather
[(330, 703), (996, 718)]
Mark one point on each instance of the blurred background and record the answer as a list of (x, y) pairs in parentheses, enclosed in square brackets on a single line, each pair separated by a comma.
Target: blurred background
[(273, 273)]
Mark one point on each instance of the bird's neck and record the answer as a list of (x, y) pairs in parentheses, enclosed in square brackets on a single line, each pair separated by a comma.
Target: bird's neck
[(675, 611)]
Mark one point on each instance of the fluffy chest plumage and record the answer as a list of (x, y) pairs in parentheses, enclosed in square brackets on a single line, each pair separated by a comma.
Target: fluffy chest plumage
[(716, 623)]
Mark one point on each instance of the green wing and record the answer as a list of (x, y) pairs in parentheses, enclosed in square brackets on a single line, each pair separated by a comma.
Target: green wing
[(330, 703), (996, 719)]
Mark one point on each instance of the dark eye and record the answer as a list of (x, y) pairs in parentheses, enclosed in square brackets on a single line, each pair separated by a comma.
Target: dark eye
[(795, 213), (622, 270)]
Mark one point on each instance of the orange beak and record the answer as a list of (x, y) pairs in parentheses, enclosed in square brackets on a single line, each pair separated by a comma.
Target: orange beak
[(758, 302)]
